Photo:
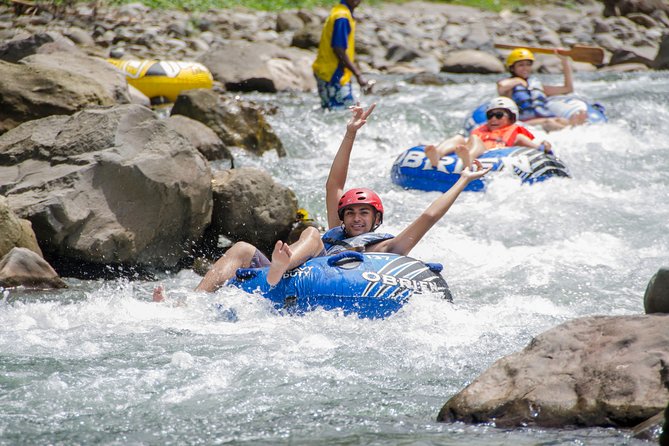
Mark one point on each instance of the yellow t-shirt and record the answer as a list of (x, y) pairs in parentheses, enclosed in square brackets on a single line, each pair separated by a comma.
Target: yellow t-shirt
[(327, 64)]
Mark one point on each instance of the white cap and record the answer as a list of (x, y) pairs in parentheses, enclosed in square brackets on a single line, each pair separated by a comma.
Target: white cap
[(504, 103)]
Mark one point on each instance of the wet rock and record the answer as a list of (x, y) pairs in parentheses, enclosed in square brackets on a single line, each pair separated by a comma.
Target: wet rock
[(237, 123), (250, 206), (656, 298), (107, 186), (610, 371), (23, 267)]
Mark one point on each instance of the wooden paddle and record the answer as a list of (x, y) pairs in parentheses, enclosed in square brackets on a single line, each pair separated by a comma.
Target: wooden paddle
[(579, 53)]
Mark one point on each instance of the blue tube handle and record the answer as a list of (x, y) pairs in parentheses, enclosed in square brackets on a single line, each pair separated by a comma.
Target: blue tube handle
[(333, 260)]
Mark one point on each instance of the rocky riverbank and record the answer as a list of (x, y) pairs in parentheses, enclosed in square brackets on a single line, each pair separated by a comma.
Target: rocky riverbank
[(96, 182)]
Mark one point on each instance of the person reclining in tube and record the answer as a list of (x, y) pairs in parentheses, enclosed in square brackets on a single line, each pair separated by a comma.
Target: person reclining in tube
[(500, 130), (353, 217), (531, 95)]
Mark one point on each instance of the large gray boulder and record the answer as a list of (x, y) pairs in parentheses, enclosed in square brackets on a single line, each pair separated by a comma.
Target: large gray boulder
[(237, 122), (250, 206), (98, 70), (33, 92), (15, 232), (23, 267), (261, 66), (204, 139), (592, 371), (107, 186)]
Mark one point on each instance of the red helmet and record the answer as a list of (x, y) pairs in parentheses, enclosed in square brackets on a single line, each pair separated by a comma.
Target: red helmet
[(360, 196)]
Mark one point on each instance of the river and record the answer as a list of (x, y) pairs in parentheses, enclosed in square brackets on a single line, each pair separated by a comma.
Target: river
[(99, 363)]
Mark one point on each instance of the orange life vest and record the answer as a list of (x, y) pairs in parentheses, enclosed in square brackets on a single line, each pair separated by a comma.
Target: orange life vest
[(502, 137)]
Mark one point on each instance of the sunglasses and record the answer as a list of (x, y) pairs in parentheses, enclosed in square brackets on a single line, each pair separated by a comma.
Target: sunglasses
[(495, 114)]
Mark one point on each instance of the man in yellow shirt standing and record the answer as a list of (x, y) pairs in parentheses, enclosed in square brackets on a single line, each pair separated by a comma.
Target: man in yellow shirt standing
[(334, 65)]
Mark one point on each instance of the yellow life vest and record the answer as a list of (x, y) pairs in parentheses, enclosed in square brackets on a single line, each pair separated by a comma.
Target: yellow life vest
[(326, 61)]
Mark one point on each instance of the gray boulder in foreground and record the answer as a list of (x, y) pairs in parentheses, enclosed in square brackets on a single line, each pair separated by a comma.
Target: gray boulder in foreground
[(107, 186), (610, 371), (656, 297)]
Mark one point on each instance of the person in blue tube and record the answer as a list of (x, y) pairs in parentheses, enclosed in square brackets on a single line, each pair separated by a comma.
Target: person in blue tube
[(353, 217)]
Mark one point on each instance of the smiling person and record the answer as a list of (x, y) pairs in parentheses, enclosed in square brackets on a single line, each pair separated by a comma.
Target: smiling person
[(499, 131), (531, 95), (353, 217)]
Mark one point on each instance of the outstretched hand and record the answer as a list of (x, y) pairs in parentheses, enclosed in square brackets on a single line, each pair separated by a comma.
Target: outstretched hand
[(475, 172), (358, 117)]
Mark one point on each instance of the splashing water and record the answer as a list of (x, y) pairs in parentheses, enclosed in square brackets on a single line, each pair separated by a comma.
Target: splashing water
[(101, 363)]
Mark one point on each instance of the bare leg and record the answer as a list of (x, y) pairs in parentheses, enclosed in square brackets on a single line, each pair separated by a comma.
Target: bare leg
[(432, 154), (286, 257), (435, 153), (476, 148), (463, 152), (238, 256)]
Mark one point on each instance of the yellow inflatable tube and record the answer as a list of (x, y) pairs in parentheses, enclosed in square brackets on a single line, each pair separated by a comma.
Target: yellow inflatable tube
[(164, 78)]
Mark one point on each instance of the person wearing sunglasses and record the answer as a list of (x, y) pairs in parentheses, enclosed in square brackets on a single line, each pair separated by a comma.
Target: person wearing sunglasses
[(353, 217), (500, 130), (531, 95)]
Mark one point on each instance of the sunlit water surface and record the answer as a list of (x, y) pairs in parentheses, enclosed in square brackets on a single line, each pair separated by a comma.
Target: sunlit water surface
[(100, 363)]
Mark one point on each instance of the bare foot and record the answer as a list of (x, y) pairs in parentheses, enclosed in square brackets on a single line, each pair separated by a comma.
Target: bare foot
[(280, 261), (432, 155), (463, 152), (158, 294), (578, 118)]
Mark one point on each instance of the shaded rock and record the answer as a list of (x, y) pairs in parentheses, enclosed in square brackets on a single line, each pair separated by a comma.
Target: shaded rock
[(472, 61), (250, 206), (656, 297), (401, 53), (97, 70), (631, 55), (107, 186), (15, 232), (593, 371), (238, 123), (20, 47), (31, 92), (308, 37), (661, 61), (202, 137), (261, 66), (23, 267)]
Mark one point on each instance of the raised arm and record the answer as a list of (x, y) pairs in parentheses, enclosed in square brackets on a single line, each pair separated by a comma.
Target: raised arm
[(411, 235), (505, 86), (568, 87), (334, 187)]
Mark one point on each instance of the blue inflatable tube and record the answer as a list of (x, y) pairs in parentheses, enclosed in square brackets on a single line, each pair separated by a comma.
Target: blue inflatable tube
[(412, 170), (563, 106), (371, 285)]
